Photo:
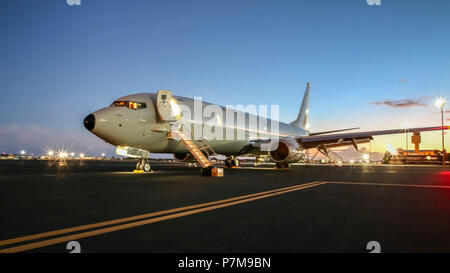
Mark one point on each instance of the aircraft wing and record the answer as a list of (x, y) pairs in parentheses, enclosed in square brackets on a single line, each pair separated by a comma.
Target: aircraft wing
[(336, 140)]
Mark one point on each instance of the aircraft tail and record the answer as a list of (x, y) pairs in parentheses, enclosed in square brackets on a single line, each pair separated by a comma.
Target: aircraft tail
[(302, 118)]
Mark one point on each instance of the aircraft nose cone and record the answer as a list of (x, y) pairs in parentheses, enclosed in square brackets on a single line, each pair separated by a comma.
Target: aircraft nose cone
[(89, 122)]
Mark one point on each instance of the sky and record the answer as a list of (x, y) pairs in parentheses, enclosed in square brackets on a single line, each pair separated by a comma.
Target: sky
[(373, 67)]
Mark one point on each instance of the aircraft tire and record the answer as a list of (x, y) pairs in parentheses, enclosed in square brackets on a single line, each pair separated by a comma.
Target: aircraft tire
[(146, 167), (235, 162), (228, 163), (139, 165), (283, 165)]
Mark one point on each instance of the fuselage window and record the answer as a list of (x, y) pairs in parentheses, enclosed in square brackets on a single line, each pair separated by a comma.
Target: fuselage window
[(130, 104)]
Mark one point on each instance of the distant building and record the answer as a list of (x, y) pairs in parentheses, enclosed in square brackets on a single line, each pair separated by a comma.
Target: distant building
[(414, 157), (6, 156)]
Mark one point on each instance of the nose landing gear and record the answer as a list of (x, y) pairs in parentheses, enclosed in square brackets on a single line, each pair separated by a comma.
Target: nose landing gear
[(143, 165)]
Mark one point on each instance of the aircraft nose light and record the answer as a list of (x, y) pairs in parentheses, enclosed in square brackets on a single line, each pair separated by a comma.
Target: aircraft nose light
[(89, 122)]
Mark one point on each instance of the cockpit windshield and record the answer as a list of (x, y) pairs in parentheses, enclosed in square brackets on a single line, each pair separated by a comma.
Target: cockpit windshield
[(130, 104)]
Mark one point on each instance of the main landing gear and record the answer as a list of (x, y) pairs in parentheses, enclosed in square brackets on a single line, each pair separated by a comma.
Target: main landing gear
[(143, 165), (283, 165), (231, 162)]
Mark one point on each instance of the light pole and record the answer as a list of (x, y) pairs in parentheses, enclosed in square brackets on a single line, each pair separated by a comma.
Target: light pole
[(406, 140), (440, 103), (406, 126)]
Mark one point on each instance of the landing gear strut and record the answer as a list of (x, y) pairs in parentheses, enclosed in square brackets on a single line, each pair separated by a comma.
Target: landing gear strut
[(143, 165)]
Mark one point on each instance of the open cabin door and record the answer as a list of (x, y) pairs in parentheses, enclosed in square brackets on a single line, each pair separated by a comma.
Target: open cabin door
[(166, 106)]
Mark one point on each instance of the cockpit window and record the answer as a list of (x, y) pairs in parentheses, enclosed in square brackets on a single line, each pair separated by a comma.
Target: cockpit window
[(130, 104)]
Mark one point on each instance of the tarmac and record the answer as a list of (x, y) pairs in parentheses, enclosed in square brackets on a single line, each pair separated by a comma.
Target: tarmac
[(105, 207)]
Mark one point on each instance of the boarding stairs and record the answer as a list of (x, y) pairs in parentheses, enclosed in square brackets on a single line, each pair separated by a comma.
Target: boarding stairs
[(201, 151)]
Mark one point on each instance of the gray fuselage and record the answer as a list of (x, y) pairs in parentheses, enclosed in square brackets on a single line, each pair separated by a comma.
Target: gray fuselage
[(144, 129)]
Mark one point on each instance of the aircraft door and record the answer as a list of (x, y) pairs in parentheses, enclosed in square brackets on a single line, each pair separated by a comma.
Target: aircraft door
[(166, 106)]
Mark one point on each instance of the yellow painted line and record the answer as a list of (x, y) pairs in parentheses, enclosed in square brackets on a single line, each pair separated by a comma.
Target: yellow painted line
[(393, 185), (153, 220), (133, 218), (145, 222)]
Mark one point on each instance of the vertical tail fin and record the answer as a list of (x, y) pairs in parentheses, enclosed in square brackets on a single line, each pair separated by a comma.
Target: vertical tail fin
[(302, 118)]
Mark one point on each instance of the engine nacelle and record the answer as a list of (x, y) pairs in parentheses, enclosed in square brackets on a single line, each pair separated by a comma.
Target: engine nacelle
[(285, 151), (182, 157)]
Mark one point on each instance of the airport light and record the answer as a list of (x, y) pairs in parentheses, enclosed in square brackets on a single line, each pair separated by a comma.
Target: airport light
[(22, 152), (63, 154), (352, 161), (440, 103), (50, 153), (72, 154), (81, 155), (103, 154), (366, 157)]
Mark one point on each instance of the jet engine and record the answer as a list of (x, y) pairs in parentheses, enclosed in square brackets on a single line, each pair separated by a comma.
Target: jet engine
[(285, 151)]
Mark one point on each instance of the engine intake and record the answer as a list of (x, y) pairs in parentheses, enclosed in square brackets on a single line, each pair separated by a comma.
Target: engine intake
[(285, 151)]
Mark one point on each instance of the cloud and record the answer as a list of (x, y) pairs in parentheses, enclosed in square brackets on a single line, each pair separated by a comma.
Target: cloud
[(405, 103)]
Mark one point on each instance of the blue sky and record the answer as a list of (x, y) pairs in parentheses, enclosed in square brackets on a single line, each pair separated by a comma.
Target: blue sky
[(60, 62)]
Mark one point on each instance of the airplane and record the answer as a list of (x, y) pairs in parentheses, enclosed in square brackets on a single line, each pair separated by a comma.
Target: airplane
[(141, 123)]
